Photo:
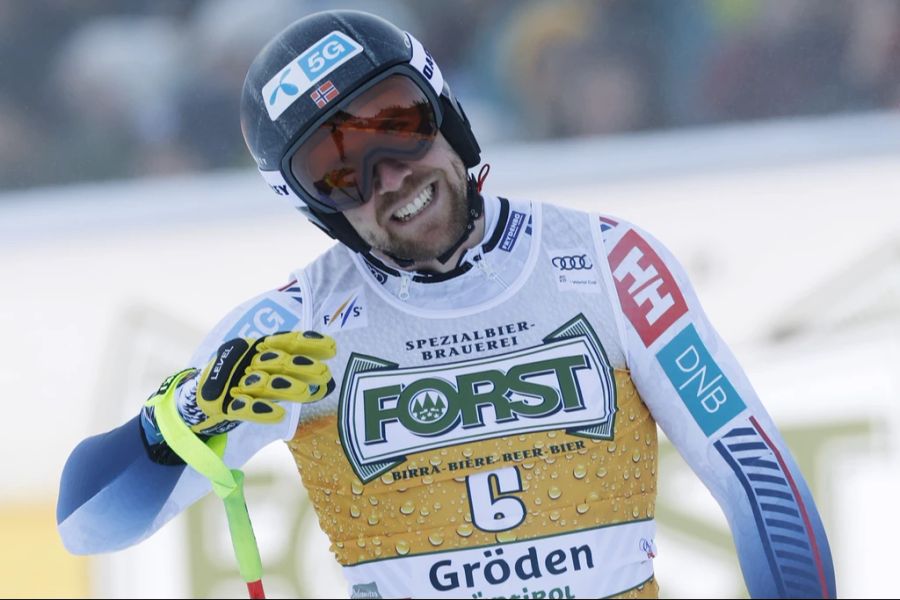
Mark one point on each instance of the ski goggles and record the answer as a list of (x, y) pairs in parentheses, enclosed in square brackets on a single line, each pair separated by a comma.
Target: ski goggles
[(334, 162)]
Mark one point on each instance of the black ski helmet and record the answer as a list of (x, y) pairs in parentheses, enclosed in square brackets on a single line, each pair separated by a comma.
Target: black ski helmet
[(349, 49)]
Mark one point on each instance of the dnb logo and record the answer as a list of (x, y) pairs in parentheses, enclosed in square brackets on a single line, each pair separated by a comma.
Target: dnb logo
[(647, 290), (387, 412), (265, 318)]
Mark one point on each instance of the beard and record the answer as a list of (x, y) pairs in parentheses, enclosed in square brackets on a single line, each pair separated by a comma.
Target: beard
[(445, 229)]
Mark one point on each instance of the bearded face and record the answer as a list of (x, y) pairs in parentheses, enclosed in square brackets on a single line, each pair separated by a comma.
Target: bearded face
[(417, 209)]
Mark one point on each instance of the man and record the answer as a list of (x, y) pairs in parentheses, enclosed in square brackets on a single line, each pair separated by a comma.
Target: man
[(498, 368)]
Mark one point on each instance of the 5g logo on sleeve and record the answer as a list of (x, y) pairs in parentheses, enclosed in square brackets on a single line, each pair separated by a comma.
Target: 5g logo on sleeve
[(265, 318)]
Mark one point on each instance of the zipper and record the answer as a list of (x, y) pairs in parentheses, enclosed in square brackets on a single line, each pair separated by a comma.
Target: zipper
[(487, 270), (405, 280)]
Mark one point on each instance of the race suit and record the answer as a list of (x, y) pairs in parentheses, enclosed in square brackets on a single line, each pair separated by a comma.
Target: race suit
[(493, 430)]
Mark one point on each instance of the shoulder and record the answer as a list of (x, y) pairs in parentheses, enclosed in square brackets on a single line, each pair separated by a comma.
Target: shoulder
[(284, 307), (601, 221), (622, 237), (337, 261), (277, 309)]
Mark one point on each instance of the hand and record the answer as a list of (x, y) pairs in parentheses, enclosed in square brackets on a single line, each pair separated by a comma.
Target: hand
[(247, 376)]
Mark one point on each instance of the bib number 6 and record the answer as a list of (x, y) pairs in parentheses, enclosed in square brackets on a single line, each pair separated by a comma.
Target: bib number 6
[(493, 506)]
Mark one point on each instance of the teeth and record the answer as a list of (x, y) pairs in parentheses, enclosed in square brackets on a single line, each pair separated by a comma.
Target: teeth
[(416, 206)]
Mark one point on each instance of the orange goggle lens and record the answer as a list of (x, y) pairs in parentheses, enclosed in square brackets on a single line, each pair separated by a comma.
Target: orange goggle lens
[(336, 163)]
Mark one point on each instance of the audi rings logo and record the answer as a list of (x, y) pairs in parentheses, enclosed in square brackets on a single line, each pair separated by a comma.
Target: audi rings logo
[(576, 262)]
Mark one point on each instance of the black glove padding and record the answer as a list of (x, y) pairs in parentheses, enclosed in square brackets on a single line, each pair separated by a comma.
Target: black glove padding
[(247, 376)]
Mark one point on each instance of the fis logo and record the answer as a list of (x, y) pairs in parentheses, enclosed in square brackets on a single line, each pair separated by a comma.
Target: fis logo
[(305, 71), (348, 314), (647, 290)]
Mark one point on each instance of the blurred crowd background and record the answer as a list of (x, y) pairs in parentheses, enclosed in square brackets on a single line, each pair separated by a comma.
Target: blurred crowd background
[(93, 89), (788, 226)]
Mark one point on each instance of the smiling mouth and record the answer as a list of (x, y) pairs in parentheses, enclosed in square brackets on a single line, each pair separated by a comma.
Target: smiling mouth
[(417, 205)]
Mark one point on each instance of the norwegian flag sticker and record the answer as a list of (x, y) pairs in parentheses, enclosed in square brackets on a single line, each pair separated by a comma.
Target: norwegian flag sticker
[(324, 94)]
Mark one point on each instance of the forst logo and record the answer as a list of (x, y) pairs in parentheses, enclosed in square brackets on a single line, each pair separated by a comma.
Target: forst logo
[(387, 411), (431, 405), (428, 409), (342, 315)]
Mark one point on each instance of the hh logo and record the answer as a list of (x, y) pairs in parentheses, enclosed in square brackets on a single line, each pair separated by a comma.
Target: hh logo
[(348, 314), (387, 411), (647, 290)]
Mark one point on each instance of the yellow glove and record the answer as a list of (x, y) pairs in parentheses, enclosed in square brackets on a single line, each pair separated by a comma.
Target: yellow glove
[(247, 376)]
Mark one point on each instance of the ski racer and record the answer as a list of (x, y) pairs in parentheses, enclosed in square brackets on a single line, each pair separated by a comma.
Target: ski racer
[(470, 385)]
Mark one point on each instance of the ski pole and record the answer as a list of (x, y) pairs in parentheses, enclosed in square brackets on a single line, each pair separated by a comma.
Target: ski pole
[(228, 484)]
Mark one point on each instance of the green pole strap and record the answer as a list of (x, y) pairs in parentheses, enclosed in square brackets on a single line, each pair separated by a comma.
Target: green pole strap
[(205, 458)]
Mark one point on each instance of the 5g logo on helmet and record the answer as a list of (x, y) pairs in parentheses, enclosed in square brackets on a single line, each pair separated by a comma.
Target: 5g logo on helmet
[(315, 63)]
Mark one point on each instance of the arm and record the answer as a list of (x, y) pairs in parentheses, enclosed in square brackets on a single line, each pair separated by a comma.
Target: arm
[(116, 489), (703, 401), (111, 491)]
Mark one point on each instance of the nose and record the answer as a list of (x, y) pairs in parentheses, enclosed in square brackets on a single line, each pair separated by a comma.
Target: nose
[(390, 174)]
